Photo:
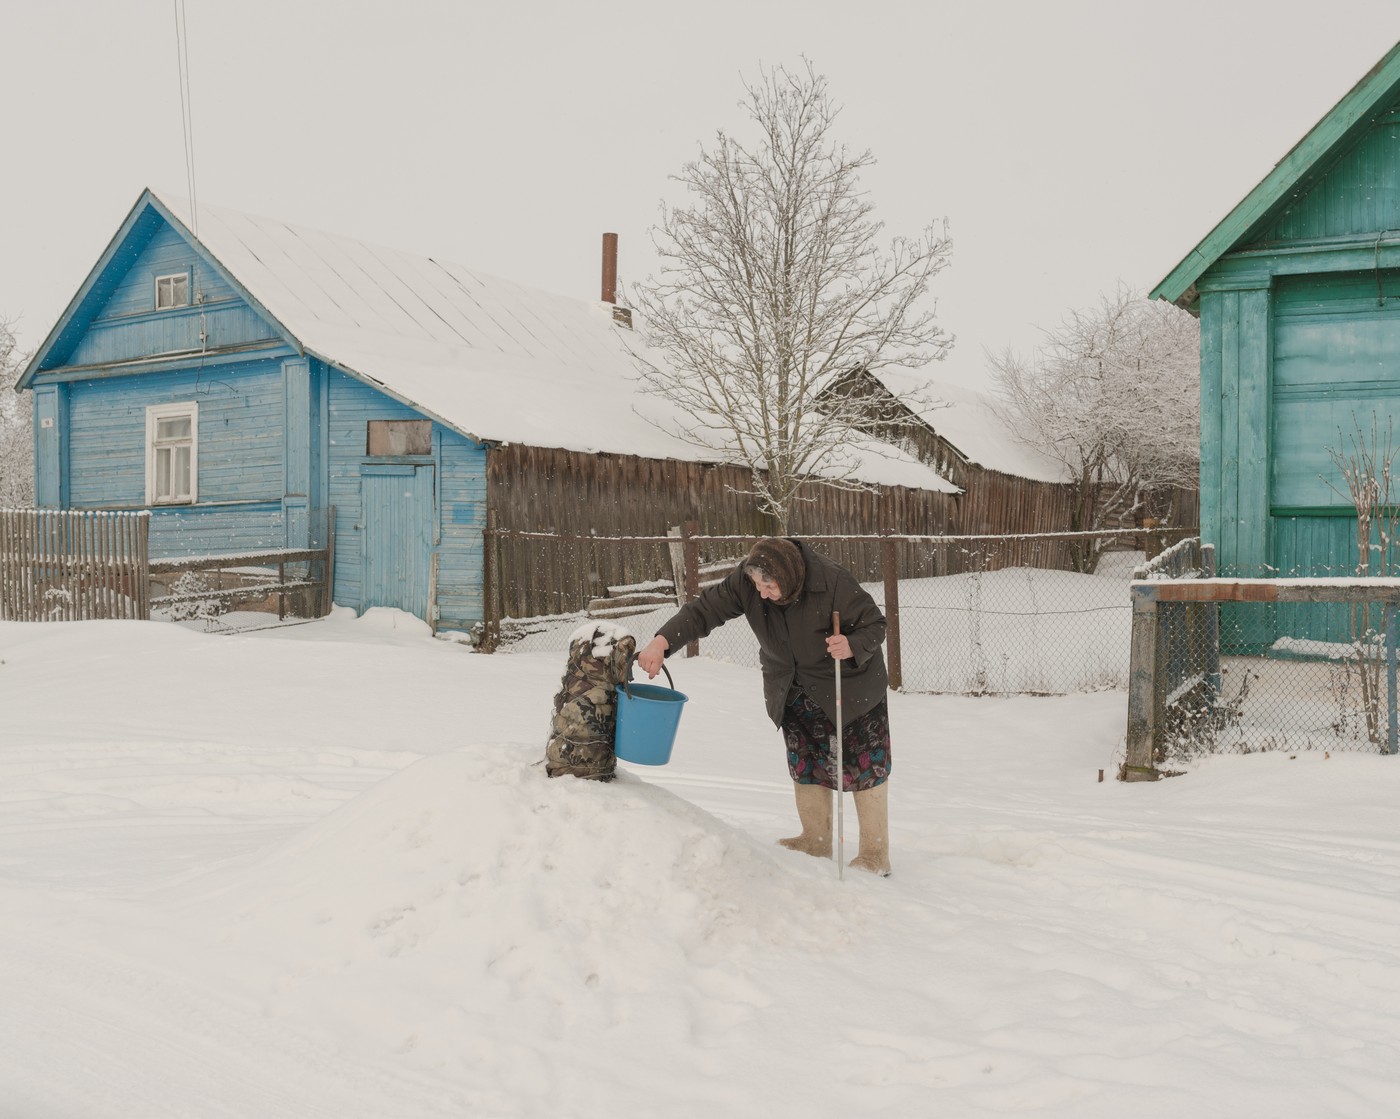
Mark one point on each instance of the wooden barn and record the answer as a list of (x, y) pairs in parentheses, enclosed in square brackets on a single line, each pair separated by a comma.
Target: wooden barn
[(1298, 294), (239, 377)]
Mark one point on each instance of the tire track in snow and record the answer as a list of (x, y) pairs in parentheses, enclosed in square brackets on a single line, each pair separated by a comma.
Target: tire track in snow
[(154, 1044)]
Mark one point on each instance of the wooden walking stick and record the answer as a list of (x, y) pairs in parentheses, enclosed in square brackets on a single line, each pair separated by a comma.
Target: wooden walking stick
[(838, 848)]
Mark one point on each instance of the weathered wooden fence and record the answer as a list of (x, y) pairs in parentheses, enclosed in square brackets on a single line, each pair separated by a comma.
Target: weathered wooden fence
[(225, 580), (1288, 695), (78, 565), (887, 559), (627, 501), (73, 565)]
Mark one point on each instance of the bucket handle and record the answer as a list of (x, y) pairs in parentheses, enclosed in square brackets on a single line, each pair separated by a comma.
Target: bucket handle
[(627, 683)]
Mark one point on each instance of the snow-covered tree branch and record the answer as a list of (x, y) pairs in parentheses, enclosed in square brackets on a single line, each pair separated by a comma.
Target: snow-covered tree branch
[(16, 436), (772, 283), (1114, 394)]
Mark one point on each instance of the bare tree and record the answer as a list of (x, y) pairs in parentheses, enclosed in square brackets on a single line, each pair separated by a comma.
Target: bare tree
[(1113, 394), (16, 436), (1367, 469), (772, 284)]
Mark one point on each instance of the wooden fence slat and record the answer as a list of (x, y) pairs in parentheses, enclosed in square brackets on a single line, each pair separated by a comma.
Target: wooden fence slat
[(7, 566), (143, 566), (82, 564)]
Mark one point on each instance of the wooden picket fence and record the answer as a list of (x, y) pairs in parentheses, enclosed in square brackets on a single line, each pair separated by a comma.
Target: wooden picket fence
[(74, 565), (68, 565)]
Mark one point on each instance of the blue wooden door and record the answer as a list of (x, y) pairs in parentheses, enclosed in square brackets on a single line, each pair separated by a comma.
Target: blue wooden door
[(398, 535)]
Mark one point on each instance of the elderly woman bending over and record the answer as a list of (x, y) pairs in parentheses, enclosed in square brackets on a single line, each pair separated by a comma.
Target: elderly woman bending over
[(788, 593)]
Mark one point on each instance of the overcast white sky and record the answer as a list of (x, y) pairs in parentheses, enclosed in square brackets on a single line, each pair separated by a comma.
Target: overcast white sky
[(1071, 144)]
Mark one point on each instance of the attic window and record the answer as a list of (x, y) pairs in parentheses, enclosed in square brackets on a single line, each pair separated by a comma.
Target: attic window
[(400, 437), (172, 291)]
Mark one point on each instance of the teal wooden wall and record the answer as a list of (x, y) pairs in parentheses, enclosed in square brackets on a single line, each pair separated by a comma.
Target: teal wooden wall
[(1300, 345), (1235, 436), (1359, 194), (460, 499), (1336, 365)]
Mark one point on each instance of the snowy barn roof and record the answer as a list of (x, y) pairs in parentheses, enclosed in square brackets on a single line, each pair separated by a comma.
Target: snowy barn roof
[(493, 359), (969, 421)]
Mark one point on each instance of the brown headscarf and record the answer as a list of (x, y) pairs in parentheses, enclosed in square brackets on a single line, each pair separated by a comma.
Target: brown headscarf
[(780, 560)]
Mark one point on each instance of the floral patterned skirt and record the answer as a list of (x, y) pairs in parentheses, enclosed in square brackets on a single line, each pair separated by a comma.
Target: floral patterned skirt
[(811, 742)]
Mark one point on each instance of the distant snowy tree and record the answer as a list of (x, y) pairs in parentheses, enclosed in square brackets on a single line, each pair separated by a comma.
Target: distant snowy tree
[(16, 436), (1114, 394), (773, 283)]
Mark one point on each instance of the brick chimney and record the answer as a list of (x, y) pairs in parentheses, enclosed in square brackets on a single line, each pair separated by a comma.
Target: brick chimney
[(609, 267), (621, 315)]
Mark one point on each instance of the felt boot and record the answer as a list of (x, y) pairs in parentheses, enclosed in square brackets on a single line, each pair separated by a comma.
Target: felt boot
[(873, 812), (814, 810)]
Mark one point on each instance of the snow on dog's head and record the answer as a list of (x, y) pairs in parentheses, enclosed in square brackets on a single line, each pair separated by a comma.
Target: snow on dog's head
[(602, 635)]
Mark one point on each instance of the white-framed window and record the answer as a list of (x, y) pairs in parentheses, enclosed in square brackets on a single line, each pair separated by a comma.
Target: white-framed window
[(172, 291), (172, 454)]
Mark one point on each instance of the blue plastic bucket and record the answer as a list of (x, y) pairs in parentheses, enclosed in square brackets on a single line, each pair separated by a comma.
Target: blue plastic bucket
[(647, 718)]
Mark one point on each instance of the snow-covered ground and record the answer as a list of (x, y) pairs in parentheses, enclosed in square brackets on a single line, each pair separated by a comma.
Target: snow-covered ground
[(316, 871)]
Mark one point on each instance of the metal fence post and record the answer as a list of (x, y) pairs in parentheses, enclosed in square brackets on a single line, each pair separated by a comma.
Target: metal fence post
[(490, 576), (677, 551), (893, 654), (1212, 629), (692, 573), (1391, 628), (143, 564), (328, 568), (1142, 687)]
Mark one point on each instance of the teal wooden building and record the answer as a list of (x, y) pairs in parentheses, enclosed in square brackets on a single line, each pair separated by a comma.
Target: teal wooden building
[(1298, 294)]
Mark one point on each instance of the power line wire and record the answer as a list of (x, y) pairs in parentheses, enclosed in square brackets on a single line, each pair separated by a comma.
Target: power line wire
[(186, 110)]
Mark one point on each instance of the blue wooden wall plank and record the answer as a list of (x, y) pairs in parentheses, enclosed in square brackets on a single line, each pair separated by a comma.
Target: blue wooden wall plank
[(461, 556), (128, 326), (240, 434), (50, 423), (171, 332), (165, 253), (214, 529), (461, 498), (297, 427)]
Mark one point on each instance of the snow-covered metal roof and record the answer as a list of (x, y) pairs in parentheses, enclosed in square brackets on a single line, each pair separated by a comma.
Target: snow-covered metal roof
[(494, 359), (967, 418)]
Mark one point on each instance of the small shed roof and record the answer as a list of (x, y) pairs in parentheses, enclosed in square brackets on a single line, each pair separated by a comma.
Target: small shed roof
[(967, 417), (1305, 162), (493, 359)]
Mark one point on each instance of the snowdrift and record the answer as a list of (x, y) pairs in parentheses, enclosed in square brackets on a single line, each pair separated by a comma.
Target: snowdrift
[(472, 872)]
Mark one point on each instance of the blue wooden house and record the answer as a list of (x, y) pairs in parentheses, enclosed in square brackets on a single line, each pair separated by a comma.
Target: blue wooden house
[(239, 377), (1298, 293)]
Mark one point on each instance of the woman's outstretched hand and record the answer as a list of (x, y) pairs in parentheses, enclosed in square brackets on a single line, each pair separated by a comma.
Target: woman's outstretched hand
[(651, 657)]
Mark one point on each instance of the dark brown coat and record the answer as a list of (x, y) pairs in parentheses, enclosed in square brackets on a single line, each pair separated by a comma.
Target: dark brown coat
[(792, 639)]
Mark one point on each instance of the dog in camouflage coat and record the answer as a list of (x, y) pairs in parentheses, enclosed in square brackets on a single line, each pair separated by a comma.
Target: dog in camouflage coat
[(585, 707)]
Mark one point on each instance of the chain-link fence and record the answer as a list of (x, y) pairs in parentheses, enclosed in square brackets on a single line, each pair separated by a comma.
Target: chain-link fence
[(1240, 665), (983, 615)]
